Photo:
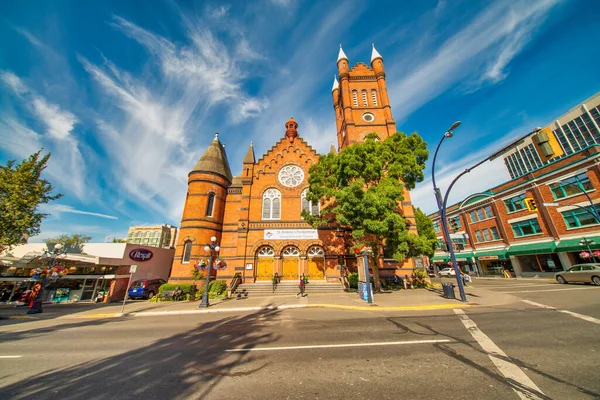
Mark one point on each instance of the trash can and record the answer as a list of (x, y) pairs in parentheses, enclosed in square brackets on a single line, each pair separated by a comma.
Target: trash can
[(448, 289)]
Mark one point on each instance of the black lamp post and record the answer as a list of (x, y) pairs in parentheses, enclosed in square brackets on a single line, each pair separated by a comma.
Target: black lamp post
[(442, 211), (57, 250), (211, 248)]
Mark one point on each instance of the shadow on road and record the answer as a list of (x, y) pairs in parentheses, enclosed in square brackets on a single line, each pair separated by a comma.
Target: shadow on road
[(186, 365)]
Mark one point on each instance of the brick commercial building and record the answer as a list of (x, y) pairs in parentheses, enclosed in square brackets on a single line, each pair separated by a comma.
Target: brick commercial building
[(256, 216), (497, 229)]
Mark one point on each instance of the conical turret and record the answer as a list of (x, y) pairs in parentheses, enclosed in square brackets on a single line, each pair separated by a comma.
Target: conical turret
[(214, 160)]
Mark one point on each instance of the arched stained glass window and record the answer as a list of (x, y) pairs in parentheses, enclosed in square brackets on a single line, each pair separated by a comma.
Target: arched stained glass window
[(271, 204)]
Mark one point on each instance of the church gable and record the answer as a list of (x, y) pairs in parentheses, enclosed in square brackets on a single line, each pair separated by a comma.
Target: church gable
[(291, 149)]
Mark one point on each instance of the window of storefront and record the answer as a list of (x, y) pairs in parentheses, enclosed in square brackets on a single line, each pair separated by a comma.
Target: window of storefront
[(516, 203), (525, 228), (579, 217), (478, 236), (473, 216), (571, 186), (486, 235), (487, 210), (480, 214), (540, 263), (495, 234)]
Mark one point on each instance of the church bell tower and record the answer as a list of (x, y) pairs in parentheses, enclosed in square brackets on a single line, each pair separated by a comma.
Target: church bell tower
[(361, 101)]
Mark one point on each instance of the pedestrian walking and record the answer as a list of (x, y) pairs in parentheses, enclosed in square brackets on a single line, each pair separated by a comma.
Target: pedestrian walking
[(301, 286)]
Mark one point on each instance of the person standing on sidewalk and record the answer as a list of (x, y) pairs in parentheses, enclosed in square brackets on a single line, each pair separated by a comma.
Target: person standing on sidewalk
[(301, 286)]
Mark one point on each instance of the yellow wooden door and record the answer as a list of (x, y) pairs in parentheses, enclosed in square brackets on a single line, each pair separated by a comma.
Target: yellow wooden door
[(264, 268), (290, 268), (316, 268)]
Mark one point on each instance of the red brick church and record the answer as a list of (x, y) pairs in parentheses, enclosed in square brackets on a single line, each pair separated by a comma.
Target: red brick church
[(256, 216)]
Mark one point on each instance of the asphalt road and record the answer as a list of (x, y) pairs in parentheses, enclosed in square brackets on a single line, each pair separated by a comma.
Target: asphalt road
[(537, 352)]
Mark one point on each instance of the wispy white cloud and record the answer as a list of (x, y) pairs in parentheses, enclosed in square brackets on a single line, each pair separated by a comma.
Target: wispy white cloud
[(57, 209), (480, 51), (13, 82), (67, 166), (283, 3), (29, 36), (59, 122), (220, 11)]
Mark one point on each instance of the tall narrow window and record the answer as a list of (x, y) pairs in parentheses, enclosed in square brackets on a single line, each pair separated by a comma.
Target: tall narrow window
[(308, 206), (271, 204), (374, 97), (364, 98), (187, 251), (355, 98), (210, 205)]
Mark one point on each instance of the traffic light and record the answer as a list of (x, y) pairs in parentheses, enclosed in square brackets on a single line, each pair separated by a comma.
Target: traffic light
[(530, 204), (547, 145), (453, 224)]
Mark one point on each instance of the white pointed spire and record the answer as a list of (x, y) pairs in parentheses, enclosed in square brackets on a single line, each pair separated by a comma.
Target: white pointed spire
[(342, 55), (336, 85), (375, 54)]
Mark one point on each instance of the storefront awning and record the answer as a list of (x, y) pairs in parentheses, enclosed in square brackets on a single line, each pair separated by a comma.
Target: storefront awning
[(440, 258), (531, 248), (463, 256), (573, 244), (499, 254)]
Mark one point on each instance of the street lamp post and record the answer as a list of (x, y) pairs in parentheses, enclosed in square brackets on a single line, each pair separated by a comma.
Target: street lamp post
[(211, 248), (441, 203), (587, 242), (36, 307)]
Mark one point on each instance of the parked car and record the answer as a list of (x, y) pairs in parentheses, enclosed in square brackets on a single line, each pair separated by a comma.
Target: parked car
[(586, 273), (447, 272), (145, 288)]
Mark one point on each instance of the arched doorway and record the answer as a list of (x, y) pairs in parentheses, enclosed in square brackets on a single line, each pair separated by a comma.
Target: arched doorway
[(291, 263), (265, 261), (316, 263)]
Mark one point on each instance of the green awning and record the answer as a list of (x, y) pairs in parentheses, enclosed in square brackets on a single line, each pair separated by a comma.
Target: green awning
[(573, 244), (440, 258), (531, 248), (462, 256), (492, 254)]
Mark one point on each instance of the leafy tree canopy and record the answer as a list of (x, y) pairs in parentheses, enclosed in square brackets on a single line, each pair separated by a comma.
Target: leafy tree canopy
[(362, 187), (21, 192), (429, 241), (74, 243)]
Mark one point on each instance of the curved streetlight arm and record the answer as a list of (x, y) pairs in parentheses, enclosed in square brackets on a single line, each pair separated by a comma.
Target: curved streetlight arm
[(433, 164), (594, 210)]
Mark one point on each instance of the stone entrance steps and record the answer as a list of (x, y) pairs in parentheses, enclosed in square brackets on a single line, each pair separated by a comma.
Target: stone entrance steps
[(285, 288)]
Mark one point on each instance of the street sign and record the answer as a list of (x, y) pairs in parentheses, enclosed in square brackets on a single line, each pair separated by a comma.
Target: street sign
[(550, 204), (132, 269)]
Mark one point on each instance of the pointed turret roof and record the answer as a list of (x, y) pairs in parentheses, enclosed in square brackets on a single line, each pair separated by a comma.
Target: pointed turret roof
[(342, 55), (375, 54), (249, 158), (336, 85), (214, 160), (332, 150)]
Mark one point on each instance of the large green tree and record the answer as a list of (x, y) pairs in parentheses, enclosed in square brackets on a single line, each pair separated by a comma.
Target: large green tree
[(363, 186), (429, 241), (73, 243), (22, 190)]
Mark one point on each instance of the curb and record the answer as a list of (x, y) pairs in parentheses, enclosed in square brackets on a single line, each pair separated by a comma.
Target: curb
[(373, 307)]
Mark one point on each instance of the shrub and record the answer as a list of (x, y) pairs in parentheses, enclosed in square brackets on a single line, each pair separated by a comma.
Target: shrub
[(353, 280), (185, 287), (217, 287)]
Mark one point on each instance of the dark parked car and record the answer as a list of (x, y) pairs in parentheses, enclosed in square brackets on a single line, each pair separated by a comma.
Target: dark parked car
[(145, 288), (586, 273)]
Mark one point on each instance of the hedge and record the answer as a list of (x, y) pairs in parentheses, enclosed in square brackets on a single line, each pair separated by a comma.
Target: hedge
[(353, 280), (216, 289)]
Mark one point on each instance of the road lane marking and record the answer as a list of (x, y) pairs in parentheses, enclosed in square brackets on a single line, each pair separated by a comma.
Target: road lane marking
[(333, 346), (11, 356), (571, 313), (525, 387), (517, 286), (549, 290)]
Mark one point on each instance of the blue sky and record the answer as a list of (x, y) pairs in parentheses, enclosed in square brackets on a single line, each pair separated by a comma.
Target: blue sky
[(127, 95)]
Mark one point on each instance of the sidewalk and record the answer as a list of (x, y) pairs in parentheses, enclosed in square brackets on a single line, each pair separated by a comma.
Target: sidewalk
[(403, 300)]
